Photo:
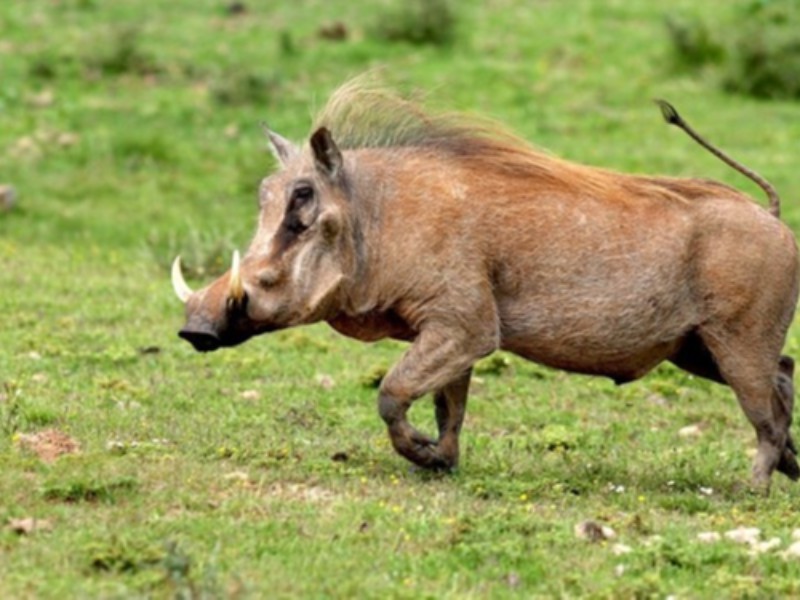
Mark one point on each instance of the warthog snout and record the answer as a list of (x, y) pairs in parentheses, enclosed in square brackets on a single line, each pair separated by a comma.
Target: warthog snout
[(201, 335), (223, 320)]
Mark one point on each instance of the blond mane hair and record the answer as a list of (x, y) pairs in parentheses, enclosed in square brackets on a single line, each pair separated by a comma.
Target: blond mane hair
[(362, 114)]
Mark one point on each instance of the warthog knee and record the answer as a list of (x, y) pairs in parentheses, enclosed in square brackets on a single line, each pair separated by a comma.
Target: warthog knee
[(390, 409)]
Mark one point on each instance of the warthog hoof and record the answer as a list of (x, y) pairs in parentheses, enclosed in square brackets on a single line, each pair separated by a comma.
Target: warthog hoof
[(423, 451), (788, 461)]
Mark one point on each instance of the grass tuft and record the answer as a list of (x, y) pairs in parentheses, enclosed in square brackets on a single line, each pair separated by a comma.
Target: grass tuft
[(123, 56), (417, 22), (11, 409), (123, 555), (243, 88), (90, 490), (373, 377), (693, 43), (760, 54), (496, 364)]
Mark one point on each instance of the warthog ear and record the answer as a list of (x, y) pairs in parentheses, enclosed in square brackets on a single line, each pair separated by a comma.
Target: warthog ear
[(326, 153), (281, 148)]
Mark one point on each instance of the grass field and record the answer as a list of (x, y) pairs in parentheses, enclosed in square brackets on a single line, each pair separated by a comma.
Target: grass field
[(131, 133)]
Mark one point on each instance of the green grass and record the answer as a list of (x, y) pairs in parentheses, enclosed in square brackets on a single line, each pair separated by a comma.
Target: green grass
[(131, 133)]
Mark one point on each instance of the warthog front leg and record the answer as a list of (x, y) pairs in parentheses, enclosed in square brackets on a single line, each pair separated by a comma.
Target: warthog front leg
[(435, 362)]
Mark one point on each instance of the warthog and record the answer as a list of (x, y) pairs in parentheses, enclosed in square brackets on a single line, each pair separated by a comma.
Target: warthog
[(460, 238)]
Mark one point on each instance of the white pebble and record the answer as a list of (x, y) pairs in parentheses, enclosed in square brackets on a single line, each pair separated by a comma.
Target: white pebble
[(653, 540), (744, 535), (690, 431), (792, 551), (8, 197), (620, 549), (770, 544), (116, 446), (326, 382), (593, 531)]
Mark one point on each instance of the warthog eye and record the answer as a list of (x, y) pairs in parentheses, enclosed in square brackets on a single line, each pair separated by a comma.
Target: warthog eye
[(301, 194), (300, 213)]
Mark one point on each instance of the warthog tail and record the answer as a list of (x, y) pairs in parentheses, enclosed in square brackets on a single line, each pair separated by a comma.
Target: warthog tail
[(672, 117)]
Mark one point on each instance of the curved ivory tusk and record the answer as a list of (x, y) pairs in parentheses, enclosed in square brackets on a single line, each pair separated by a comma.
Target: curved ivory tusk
[(182, 290), (236, 291)]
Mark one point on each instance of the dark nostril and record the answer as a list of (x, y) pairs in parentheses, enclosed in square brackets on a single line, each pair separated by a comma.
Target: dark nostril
[(203, 341)]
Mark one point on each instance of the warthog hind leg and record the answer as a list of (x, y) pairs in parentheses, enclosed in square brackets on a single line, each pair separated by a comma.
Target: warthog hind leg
[(764, 388), (783, 404)]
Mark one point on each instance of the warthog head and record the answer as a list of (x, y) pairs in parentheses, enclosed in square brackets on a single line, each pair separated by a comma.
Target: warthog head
[(294, 268)]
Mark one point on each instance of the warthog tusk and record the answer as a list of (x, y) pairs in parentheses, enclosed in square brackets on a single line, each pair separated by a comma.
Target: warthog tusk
[(182, 290), (236, 291)]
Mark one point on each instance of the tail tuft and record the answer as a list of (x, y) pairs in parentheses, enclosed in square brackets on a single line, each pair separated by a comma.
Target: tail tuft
[(671, 115)]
